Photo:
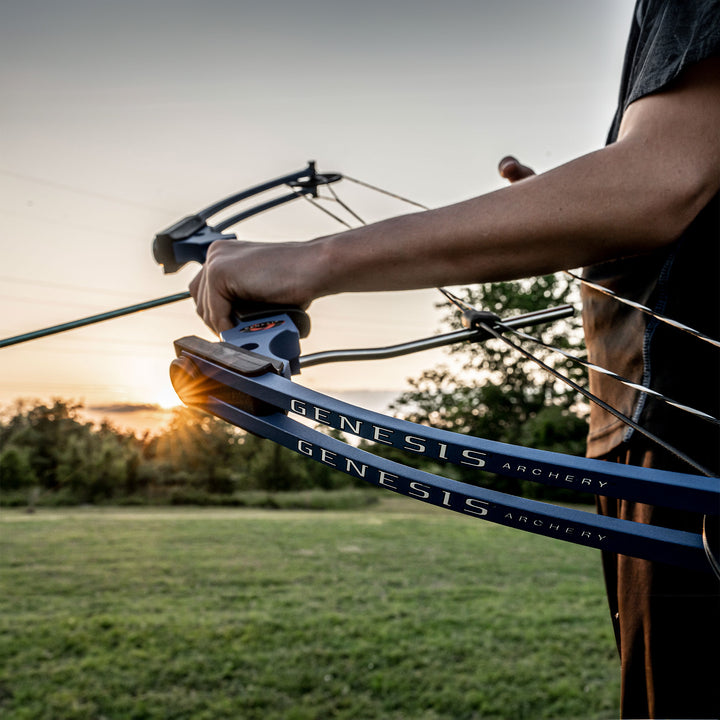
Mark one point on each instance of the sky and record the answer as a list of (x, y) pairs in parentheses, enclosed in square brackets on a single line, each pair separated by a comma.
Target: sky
[(119, 118)]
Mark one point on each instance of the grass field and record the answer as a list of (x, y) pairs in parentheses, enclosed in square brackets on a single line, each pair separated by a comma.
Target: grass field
[(397, 611)]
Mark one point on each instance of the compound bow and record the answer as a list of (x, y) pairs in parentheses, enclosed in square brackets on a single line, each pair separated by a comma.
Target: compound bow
[(245, 379)]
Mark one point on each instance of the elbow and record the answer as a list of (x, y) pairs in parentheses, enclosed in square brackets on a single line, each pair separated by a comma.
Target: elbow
[(674, 204)]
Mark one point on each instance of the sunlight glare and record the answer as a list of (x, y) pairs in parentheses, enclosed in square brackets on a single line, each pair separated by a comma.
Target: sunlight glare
[(166, 397)]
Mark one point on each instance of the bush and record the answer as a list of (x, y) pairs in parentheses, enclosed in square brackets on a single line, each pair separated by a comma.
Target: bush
[(15, 469)]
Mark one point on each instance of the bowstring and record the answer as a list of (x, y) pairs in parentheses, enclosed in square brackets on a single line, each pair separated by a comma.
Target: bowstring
[(594, 398), (644, 309), (386, 192), (464, 307), (451, 297), (584, 281), (599, 369)]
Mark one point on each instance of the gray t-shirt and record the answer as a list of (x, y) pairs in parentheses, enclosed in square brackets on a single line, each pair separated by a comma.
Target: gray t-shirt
[(681, 281)]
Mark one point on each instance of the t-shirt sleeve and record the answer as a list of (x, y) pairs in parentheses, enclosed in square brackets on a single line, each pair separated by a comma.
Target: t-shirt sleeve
[(671, 35)]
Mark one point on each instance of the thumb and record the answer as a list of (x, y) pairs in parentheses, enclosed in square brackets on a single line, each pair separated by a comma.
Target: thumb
[(511, 169)]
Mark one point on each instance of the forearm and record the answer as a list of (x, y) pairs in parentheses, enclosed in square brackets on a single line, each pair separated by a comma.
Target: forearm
[(597, 207)]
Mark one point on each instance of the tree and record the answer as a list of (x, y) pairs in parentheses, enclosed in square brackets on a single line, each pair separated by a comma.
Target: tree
[(269, 466), (15, 469), (198, 449), (93, 465), (52, 447), (43, 431)]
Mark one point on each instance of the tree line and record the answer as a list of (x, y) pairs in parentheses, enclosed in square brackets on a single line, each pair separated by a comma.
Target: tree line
[(50, 454)]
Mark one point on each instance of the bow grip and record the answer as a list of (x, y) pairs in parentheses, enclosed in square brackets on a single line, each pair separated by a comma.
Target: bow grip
[(270, 330), (252, 310)]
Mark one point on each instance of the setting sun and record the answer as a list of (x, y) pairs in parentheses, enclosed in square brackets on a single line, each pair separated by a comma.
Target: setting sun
[(166, 398)]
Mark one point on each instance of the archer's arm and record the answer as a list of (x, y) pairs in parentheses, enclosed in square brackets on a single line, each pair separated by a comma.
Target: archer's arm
[(630, 197)]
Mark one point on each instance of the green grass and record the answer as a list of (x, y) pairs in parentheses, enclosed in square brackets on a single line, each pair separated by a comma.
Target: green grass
[(396, 611)]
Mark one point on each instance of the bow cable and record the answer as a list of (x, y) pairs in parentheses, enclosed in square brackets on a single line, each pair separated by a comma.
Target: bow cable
[(629, 383), (337, 218), (590, 396), (642, 308), (638, 306), (465, 307), (343, 205)]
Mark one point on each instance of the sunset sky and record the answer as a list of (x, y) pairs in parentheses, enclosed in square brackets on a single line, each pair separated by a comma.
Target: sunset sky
[(118, 118)]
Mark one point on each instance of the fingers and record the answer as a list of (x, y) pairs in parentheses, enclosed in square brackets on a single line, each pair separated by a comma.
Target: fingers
[(511, 169), (212, 300)]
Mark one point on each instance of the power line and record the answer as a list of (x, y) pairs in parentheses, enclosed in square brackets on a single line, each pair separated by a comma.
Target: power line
[(63, 286), (80, 191)]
